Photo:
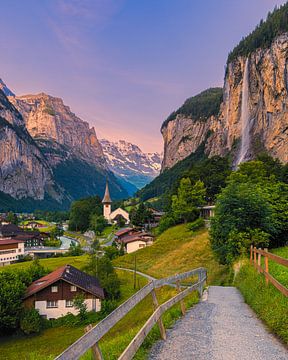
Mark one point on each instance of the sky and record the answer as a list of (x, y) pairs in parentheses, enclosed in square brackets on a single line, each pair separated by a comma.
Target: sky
[(122, 65)]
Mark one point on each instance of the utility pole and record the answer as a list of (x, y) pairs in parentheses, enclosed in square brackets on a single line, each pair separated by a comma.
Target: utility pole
[(135, 272)]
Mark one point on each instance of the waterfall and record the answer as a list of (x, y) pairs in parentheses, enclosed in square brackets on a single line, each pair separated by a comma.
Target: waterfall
[(245, 120)]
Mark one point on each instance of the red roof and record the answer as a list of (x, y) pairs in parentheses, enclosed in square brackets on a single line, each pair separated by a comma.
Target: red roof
[(10, 241), (123, 231), (140, 236), (71, 275)]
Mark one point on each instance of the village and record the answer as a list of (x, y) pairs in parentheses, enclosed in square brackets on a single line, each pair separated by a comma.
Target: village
[(52, 295)]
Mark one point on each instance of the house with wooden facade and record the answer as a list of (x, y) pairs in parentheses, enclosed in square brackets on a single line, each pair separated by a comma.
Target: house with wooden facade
[(53, 294)]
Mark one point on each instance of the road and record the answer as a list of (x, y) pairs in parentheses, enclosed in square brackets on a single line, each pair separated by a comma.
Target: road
[(222, 327)]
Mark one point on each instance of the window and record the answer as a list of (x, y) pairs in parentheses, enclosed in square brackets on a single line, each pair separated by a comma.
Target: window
[(54, 288), (141, 245), (69, 303), (73, 288), (52, 304)]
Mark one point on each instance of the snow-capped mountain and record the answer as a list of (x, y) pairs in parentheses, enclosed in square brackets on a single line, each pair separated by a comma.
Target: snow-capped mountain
[(129, 163)]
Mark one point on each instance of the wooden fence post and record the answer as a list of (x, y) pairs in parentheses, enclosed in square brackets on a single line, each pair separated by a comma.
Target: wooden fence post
[(96, 352), (160, 322), (259, 261), (255, 254), (251, 254), (266, 266), (182, 304)]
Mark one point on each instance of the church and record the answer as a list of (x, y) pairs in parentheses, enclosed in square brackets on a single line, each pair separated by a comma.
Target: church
[(113, 216)]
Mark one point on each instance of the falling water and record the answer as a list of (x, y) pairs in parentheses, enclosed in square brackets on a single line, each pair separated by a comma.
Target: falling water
[(245, 120)]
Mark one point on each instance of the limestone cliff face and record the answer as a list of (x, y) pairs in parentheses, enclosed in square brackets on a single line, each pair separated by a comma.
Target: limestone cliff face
[(24, 171), (267, 112), (58, 130), (182, 136)]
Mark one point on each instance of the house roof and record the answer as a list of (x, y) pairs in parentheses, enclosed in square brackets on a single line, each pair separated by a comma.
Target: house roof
[(107, 198), (10, 241), (9, 229), (70, 274), (141, 236), (123, 231)]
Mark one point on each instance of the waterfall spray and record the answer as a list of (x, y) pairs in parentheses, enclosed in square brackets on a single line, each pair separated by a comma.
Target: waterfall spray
[(245, 119)]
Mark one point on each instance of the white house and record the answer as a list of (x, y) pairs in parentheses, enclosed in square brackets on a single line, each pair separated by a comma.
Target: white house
[(113, 216), (53, 294), (135, 241), (10, 250)]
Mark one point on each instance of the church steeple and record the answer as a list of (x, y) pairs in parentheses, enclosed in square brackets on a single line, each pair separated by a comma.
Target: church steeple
[(107, 198), (107, 203)]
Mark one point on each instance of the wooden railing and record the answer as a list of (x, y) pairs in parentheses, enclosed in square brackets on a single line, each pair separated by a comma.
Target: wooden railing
[(255, 259), (94, 334)]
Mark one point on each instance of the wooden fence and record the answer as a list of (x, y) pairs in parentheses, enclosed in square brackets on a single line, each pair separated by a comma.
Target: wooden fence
[(93, 334), (255, 259)]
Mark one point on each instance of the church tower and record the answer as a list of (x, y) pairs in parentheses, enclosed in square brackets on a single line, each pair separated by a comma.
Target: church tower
[(107, 203)]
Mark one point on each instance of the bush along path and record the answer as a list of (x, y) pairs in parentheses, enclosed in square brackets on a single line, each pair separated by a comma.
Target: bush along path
[(220, 327)]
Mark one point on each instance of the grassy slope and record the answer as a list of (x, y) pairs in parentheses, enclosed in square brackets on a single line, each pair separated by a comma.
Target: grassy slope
[(268, 303), (175, 251)]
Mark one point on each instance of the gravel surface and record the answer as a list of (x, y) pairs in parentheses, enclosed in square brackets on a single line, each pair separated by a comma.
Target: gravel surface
[(222, 327)]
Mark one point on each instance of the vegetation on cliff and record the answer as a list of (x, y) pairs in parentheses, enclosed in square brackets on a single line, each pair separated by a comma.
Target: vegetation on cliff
[(262, 37), (212, 171), (199, 107)]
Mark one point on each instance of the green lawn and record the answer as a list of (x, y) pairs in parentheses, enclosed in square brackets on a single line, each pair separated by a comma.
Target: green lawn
[(268, 302), (52, 263), (175, 251), (280, 272)]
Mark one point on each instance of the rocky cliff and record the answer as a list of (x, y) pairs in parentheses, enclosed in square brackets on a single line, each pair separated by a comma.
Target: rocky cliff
[(130, 163), (253, 116), (57, 130), (24, 172)]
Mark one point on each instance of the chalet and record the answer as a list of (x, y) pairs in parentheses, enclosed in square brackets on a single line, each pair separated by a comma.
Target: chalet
[(135, 241), (53, 294), (124, 232), (30, 238), (208, 211), (10, 250)]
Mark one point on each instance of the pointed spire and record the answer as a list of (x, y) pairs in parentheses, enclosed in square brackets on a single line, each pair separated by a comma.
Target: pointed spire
[(107, 198)]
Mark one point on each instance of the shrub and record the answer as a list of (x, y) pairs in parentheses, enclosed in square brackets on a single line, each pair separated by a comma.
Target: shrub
[(31, 322), (196, 225)]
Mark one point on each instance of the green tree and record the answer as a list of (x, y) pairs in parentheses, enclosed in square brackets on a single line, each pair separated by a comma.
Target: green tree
[(12, 290), (252, 209), (12, 218), (189, 197), (98, 223), (81, 211), (80, 305), (30, 321), (140, 215)]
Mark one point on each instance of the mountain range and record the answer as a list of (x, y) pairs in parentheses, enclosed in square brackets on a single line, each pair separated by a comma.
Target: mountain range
[(129, 163), (50, 157)]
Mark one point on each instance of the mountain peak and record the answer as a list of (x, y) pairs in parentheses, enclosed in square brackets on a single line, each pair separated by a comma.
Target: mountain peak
[(5, 89), (128, 162)]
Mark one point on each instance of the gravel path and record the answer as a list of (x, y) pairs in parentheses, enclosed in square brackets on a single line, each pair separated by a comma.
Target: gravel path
[(222, 327)]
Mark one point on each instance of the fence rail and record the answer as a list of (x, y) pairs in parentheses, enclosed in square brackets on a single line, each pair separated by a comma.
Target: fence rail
[(255, 259), (93, 334)]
